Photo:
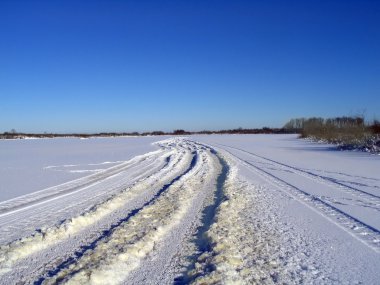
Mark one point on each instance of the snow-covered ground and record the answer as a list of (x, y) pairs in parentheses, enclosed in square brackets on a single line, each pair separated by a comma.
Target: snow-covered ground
[(217, 209), (33, 164)]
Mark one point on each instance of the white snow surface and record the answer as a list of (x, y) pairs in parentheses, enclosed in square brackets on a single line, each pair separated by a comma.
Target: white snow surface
[(215, 209), (28, 165)]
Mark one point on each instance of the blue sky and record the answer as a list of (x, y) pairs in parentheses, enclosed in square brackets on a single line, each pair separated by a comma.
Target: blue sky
[(87, 66)]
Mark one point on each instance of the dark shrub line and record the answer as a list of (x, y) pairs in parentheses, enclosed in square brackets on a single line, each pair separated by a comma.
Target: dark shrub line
[(346, 132), (265, 130)]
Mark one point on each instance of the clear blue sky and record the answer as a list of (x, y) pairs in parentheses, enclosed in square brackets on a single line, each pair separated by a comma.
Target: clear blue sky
[(86, 66)]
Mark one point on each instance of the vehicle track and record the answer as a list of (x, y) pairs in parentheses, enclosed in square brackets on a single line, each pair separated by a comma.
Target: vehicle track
[(182, 215), (360, 230), (51, 210), (105, 235), (73, 227), (128, 244), (39, 197), (308, 174), (126, 228)]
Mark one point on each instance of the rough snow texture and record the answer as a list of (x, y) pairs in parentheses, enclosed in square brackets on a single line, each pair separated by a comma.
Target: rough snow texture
[(318, 210), (286, 211)]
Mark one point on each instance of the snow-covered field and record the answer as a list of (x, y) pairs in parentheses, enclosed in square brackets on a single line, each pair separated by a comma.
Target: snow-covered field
[(241, 209), (33, 164)]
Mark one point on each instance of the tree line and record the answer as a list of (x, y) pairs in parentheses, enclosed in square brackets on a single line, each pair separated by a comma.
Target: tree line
[(179, 132), (350, 132)]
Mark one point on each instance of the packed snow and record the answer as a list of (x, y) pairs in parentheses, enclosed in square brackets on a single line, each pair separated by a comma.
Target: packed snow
[(215, 209)]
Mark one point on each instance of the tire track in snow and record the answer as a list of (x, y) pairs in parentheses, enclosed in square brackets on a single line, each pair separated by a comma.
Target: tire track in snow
[(24, 222), (373, 198), (361, 231), (168, 263), (202, 242), (107, 233), (38, 197), (131, 244), (230, 250), (51, 236), (114, 258)]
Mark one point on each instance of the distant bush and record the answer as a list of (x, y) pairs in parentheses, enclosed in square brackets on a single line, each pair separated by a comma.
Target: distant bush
[(347, 132), (157, 133), (375, 127), (181, 132)]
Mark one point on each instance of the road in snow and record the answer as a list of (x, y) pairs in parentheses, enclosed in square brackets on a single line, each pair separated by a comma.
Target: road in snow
[(204, 210)]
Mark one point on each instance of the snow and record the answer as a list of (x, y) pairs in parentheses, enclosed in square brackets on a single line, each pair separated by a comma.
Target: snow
[(42, 163), (287, 211), (333, 243)]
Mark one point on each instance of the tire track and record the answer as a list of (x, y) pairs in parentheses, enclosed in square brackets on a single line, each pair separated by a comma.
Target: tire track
[(124, 248), (51, 236), (166, 263), (227, 243), (114, 183), (361, 231), (54, 192), (202, 242), (106, 234), (370, 197)]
